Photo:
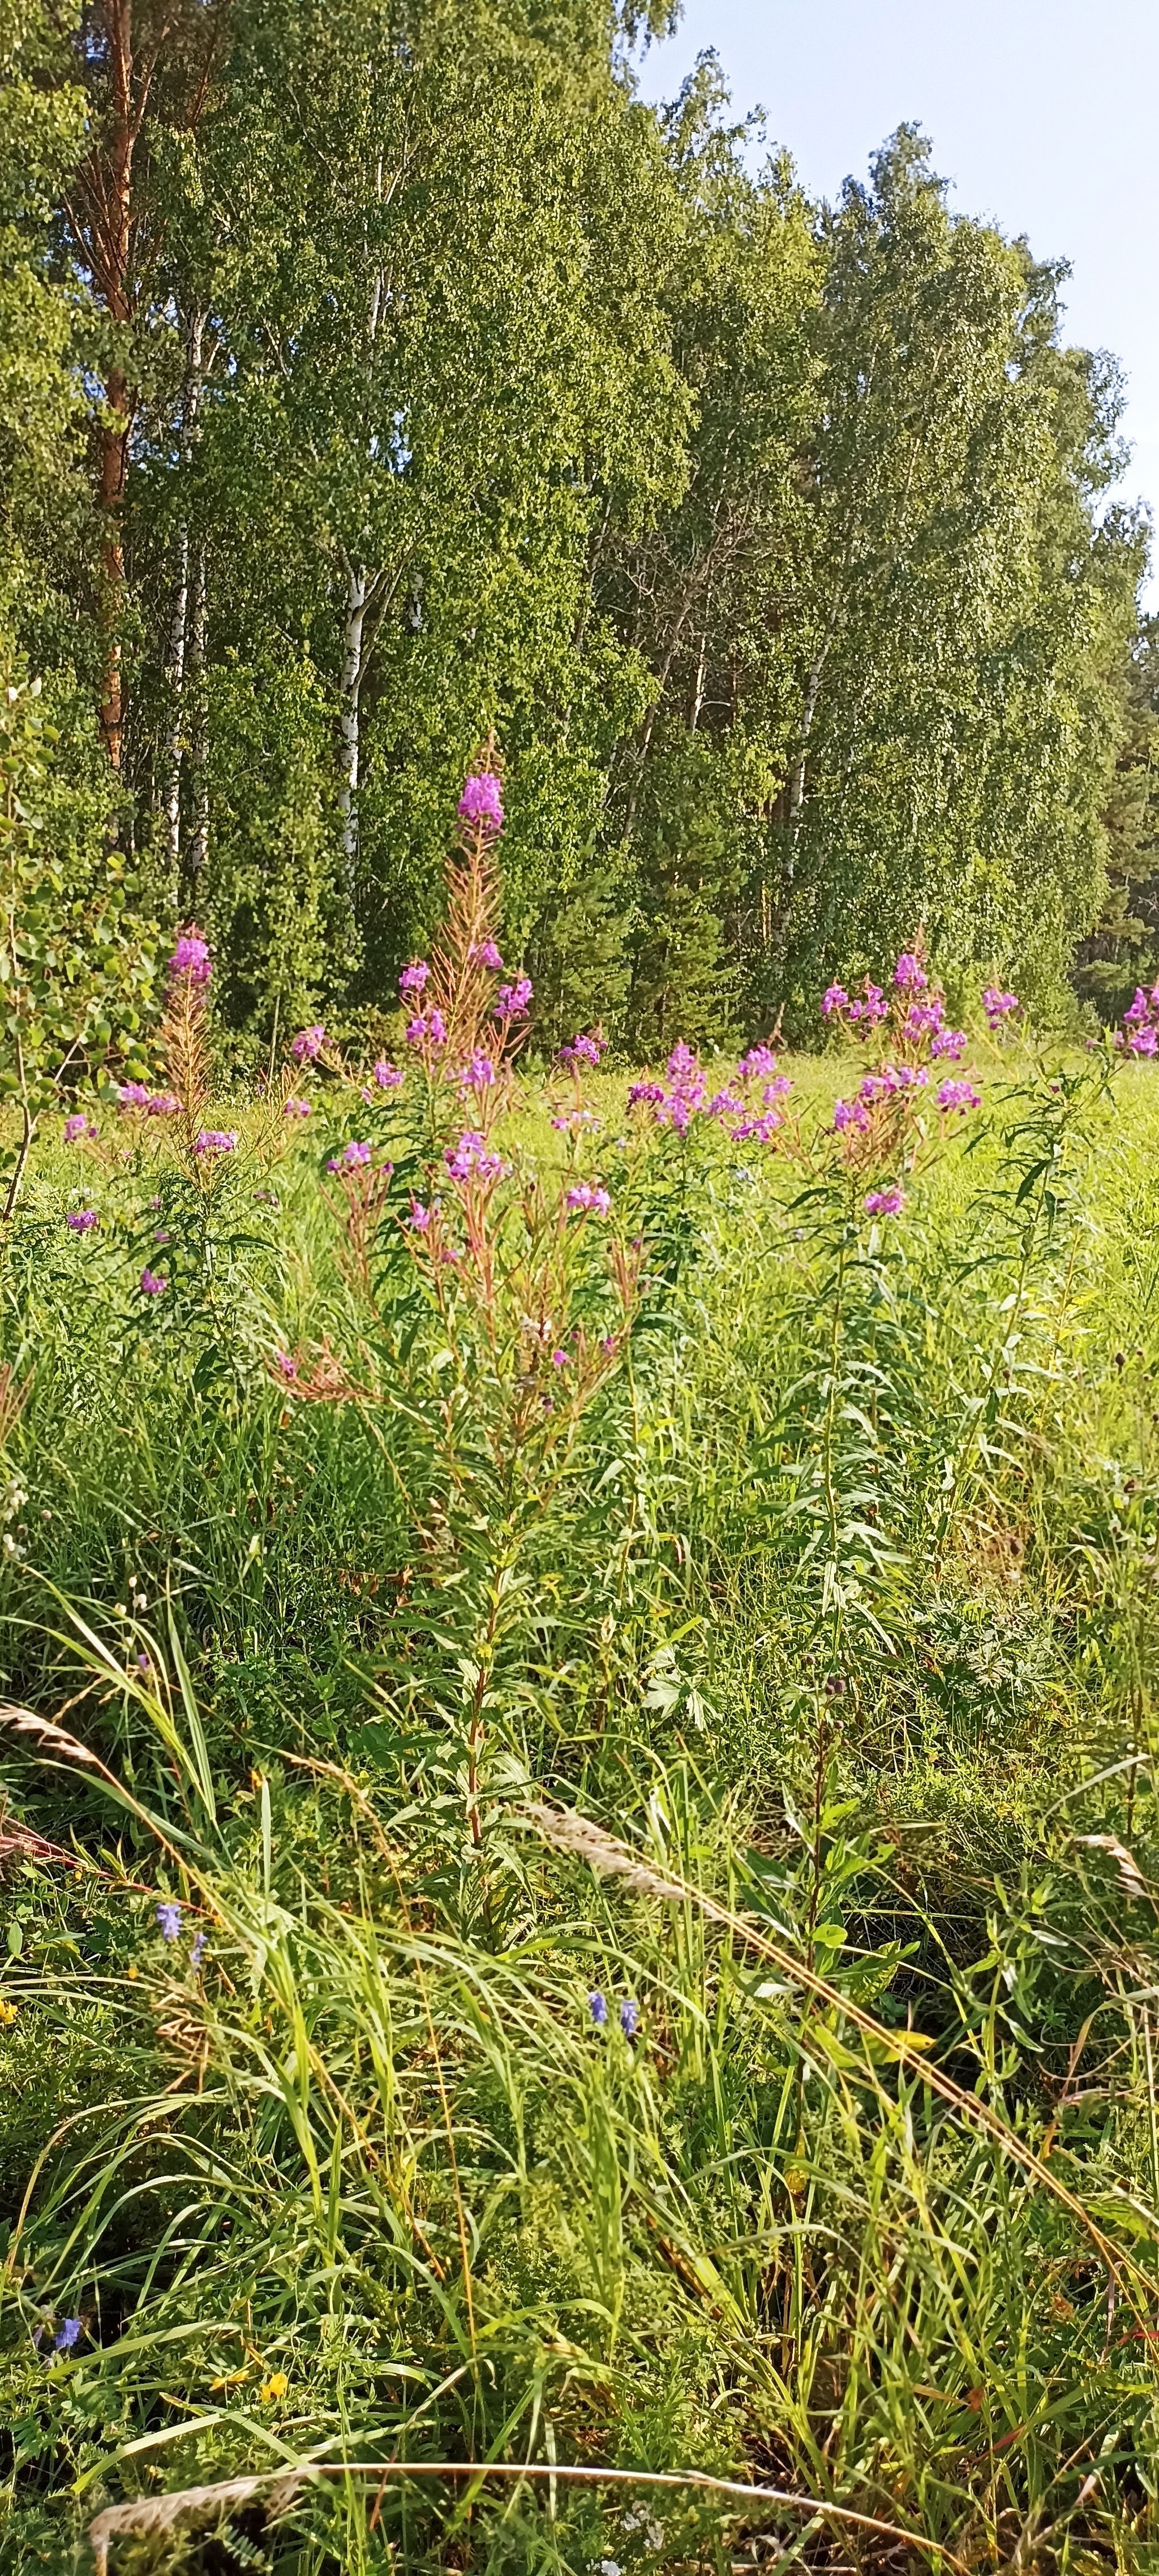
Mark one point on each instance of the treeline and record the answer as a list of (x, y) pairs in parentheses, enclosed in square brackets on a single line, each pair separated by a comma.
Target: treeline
[(377, 376)]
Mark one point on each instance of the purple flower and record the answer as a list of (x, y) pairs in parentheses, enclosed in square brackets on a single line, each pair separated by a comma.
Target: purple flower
[(470, 1158), (583, 1195), (134, 1095), (191, 956), (387, 1076), (760, 1062), (849, 1113), (835, 999), (958, 1095), (598, 2008), (997, 1004), (482, 800), (69, 2335), (294, 1108), (82, 1220), (413, 977), (922, 1020), (642, 1094), (354, 1152), (585, 1049), (949, 1042), (485, 953), (629, 2018), (479, 1074), (512, 1000), (871, 1006), (215, 1140), (151, 1286), (420, 1217), (197, 1949), (287, 1366), (1144, 1041), (724, 1104), (308, 1044), (76, 1127), (144, 1663), (169, 1921), (909, 974), (560, 1359), (162, 1104), (884, 1202), (429, 1030)]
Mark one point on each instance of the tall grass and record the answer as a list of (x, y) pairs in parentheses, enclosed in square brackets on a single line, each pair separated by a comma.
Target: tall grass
[(785, 2115)]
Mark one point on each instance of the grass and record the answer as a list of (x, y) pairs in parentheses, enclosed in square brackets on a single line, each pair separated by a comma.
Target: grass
[(827, 1595)]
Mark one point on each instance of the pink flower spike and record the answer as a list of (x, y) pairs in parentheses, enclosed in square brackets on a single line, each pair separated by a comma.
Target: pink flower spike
[(308, 1044), (884, 1202), (588, 1199), (295, 1108), (215, 1140), (485, 953), (1144, 1041), (353, 1153), (560, 1359), (191, 956), (958, 1095), (513, 999), (414, 976), (482, 801), (420, 1217), (835, 999), (909, 975), (76, 1127), (288, 1366), (151, 1285), (387, 1076), (82, 1220)]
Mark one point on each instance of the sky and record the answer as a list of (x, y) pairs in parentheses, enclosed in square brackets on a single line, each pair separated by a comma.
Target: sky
[(1042, 114)]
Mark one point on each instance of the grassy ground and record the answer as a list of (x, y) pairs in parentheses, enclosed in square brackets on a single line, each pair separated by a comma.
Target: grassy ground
[(820, 1575)]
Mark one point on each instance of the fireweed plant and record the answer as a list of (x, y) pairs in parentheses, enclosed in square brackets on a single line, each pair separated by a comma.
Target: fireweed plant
[(580, 1885)]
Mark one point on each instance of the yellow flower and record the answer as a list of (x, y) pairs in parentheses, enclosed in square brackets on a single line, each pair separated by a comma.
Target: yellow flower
[(796, 2182), (132, 1972), (8, 2011), (275, 2386)]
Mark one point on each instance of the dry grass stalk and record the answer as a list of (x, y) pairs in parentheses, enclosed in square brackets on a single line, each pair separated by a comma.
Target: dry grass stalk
[(144, 2517)]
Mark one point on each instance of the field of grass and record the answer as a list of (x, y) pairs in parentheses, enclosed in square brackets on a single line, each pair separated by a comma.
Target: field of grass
[(580, 1836)]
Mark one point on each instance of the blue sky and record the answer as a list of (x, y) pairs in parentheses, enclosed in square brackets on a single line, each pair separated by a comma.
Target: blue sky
[(1042, 115)]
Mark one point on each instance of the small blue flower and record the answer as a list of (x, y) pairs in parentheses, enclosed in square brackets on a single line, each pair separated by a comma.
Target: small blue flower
[(197, 1953), (69, 2334), (629, 2018), (597, 2006), (169, 1920)]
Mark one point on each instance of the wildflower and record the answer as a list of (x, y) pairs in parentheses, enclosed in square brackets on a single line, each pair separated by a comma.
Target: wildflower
[(151, 1285), (162, 1104), (922, 1020), (134, 1095), (191, 956), (764, 1129), (585, 1049), (169, 1921), (275, 2386), (308, 1044), (68, 2336), (420, 1217), (629, 2018), (8, 2012), (512, 1000), (76, 1127), (909, 974), (949, 1042), (470, 1158), (215, 1140), (414, 977), (293, 1108), (485, 953), (429, 1030), (641, 1094), (144, 1663), (884, 1202), (724, 1104), (560, 1359), (850, 1113), (958, 1095), (834, 999), (288, 1367), (598, 2008), (355, 1151), (760, 1060), (482, 801), (479, 1074), (688, 1093), (387, 1076), (998, 1005), (197, 1950), (82, 1220), (1144, 1041), (583, 1195)]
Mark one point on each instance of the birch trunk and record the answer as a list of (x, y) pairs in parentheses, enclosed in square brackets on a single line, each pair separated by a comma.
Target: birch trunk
[(357, 596), (199, 728), (175, 728)]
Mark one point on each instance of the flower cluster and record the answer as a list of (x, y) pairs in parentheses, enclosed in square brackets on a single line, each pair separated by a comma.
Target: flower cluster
[(471, 1160), (512, 1000), (427, 1029), (136, 1096), (884, 1202), (308, 1045), (588, 1199), (295, 1108), (479, 1074), (587, 1048), (151, 1285), (413, 979), (629, 2014), (78, 1127), (485, 952), (190, 958), (353, 1153), (688, 1094), (998, 1006), (1141, 1022), (387, 1076), (863, 1011), (482, 801), (215, 1140), (82, 1220)]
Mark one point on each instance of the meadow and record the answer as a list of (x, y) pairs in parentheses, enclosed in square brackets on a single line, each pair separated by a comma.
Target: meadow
[(580, 1837)]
